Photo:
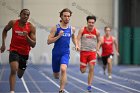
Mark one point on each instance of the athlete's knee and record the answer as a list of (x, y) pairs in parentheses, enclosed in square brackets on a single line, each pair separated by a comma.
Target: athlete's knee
[(63, 68), (56, 75), (13, 71), (20, 73), (83, 70)]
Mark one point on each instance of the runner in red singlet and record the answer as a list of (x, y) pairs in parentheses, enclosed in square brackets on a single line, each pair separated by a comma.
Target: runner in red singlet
[(23, 37), (106, 42), (87, 42)]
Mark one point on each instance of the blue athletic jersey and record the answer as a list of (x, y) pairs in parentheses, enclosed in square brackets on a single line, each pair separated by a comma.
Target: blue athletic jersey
[(62, 45), (61, 51)]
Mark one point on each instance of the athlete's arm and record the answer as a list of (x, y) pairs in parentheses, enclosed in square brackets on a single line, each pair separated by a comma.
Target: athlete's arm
[(98, 35), (116, 45), (79, 37), (31, 38), (52, 38), (99, 45), (4, 34), (74, 37)]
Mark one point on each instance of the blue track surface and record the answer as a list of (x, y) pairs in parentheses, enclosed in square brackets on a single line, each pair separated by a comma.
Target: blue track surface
[(39, 79)]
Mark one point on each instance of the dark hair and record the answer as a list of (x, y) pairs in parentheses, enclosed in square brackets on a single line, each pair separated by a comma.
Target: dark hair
[(106, 27), (91, 17), (23, 10), (65, 10)]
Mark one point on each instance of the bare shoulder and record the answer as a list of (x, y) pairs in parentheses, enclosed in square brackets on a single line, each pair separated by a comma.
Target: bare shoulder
[(73, 29), (31, 25), (102, 38), (97, 31), (53, 29), (113, 38), (81, 29), (11, 22)]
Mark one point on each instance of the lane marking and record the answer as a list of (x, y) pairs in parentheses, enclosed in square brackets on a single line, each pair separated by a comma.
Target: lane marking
[(76, 86), (52, 81), (85, 83), (24, 83), (114, 83), (129, 73), (130, 69), (34, 82), (126, 79)]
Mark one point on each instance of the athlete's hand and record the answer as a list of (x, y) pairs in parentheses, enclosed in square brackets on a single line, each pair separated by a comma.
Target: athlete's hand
[(98, 53), (117, 53), (2, 49), (61, 33), (77, 48)]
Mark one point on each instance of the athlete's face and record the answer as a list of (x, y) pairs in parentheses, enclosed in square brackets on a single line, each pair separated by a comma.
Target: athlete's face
[(107, 31), (66, 17), (24, 16), (90, 23)]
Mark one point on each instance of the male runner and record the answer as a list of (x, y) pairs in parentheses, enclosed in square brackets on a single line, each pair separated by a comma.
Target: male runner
[(23, 37), (87, 41), (106, 42), (60, 35)]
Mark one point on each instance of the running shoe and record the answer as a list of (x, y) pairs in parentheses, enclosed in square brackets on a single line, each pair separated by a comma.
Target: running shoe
[(61, 91), (89, 88), (110, 77)]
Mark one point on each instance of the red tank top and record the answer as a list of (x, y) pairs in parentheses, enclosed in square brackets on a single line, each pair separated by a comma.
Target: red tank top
[(18, 41), (89, 40), (107, 46)]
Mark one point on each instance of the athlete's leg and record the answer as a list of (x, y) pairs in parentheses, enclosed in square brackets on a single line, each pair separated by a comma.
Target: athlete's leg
[(12, 77), (13, 61), (91, 63), (83, 61), (22, 65), (56, 65), (64, 63), (109, 60), (20, 73), (90, 74), (63, 78), (56, 75), (82, 68), (104, 59)]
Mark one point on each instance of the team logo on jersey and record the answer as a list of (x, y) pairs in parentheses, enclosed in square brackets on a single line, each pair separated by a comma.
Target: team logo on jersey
[(108, 42), (20, 33), (66, 35), (90, 36)]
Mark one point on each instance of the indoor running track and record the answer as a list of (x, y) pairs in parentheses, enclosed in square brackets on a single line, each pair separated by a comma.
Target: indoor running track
[(39, 79)]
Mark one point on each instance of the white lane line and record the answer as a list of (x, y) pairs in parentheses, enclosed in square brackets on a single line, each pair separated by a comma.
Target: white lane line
[(24, 83), (131, 73), (117, 84), (126, 79), (86, 83), (34, 82), (77, 86), (130, 69), (123, 90), (53, 81)]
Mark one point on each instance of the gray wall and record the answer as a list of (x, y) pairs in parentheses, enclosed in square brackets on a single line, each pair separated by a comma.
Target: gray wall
[(45, 14)]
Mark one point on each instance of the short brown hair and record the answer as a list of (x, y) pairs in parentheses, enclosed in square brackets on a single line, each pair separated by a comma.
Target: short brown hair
[(65, 10), (107, 27)]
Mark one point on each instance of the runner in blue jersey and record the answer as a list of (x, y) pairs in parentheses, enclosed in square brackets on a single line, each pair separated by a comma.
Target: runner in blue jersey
[(60, 35)]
